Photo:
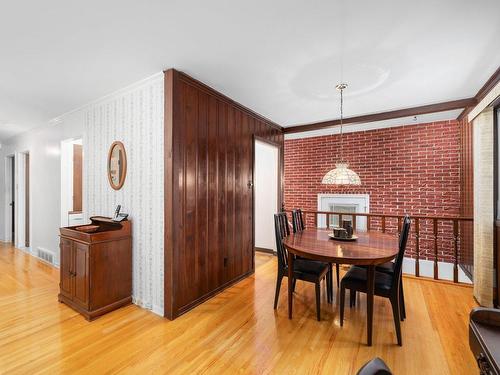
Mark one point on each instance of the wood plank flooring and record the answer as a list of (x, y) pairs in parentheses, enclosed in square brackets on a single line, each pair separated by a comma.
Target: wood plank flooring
[(236, 332)]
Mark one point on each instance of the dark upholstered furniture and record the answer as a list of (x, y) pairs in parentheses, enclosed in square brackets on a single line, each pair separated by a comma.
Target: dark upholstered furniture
[(298, 225), (303, 269), (389, 269), (375, 367), (386, 285), (297, 220), (484, 339)]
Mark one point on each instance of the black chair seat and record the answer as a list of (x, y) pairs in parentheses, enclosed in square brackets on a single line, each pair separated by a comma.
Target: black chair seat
[(303, 266), (298, 225), (357, 278), (386, 267), (375, 367)]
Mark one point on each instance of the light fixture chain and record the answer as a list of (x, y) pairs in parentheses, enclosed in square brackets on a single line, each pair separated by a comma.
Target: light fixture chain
[(341, 125)]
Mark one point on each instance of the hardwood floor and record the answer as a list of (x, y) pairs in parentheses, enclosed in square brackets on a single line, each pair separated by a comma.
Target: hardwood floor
[(237, 331)]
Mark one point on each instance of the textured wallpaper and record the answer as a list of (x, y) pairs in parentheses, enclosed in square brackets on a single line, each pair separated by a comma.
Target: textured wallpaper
[(133, 116)]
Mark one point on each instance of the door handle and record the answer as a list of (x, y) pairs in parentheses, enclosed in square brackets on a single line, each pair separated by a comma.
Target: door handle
[(250, 184)]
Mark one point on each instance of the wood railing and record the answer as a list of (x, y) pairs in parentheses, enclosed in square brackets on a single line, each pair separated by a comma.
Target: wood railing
[(432, 229)]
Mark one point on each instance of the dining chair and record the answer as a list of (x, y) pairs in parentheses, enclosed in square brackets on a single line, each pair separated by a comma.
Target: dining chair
[(386, 285), (388, 268), (298, 225), (374, 367), (297, 220), (303, 269)]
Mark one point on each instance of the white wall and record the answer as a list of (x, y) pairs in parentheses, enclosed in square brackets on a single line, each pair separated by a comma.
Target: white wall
[(43, 145), (134, 116), (265, 193)]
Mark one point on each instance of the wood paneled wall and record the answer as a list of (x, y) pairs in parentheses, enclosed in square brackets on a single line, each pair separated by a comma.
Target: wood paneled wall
[(466, 256), (209, 240)]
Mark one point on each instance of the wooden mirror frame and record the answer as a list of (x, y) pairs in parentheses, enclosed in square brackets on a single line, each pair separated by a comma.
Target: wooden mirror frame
[(124, 176)]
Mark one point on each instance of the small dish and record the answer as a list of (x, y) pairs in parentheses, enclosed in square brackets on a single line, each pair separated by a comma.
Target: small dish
[(353, 238)]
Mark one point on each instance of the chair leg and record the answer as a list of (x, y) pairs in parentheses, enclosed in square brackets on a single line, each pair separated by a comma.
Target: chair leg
[(278, 287), (352, 298), (402, 301), (327, 280), (294, 283), (337, 268), (330, 285), (318, 300), (397, 322), (342, 302)]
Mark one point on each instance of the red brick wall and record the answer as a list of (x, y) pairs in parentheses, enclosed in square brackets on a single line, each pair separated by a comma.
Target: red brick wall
[(411, 169)]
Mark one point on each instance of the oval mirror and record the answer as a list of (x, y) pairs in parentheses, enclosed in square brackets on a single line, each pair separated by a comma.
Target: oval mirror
[(117, 165)]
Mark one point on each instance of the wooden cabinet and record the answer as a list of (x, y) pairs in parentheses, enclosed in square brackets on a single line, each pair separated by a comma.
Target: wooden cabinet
[(96, 268)]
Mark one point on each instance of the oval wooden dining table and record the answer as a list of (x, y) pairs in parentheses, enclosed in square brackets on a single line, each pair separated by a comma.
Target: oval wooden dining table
[(370, 249)]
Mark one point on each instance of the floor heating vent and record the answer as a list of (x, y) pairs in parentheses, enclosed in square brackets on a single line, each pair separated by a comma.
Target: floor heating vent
[(45, 255)]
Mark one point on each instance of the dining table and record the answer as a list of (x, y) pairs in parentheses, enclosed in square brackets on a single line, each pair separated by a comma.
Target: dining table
[(369, 248)]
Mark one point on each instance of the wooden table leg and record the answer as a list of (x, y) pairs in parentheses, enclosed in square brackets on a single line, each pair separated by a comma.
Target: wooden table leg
[(290, 284), (369, 302)]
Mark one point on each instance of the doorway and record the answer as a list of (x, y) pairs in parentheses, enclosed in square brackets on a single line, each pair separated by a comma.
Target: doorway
[(10, 197), (27, 199), (21, 204), (17, 200), (267, 193), (71, 182)]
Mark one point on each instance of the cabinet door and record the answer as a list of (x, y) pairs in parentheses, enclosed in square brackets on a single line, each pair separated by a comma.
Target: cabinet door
[(81, 274), (66, 284)]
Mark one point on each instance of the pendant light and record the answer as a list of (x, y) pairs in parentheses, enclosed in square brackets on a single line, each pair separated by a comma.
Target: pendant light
[(341, 175)]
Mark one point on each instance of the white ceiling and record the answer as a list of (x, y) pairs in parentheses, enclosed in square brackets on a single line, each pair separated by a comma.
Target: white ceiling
[(282, 58)]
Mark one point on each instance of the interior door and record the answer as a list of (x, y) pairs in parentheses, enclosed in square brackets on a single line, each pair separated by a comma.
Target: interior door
[(81, 273), (66, 283)]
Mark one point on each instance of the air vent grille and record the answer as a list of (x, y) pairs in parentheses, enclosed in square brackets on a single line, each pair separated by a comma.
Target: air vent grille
[(45, 255)]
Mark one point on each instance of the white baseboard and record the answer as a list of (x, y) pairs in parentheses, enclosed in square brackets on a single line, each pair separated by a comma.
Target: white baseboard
[(158, 310), (445, 270), (27, 250)]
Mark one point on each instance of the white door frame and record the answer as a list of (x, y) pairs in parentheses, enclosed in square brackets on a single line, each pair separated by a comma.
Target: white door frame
[(20, 212), (67, 177), (279, 182)]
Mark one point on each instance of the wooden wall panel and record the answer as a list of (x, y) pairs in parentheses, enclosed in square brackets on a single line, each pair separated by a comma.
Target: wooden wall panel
[(209, 228)]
